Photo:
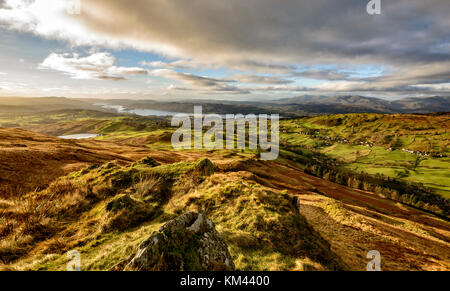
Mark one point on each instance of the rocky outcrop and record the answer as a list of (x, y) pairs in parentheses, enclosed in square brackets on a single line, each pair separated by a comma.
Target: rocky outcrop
[(189, 242)]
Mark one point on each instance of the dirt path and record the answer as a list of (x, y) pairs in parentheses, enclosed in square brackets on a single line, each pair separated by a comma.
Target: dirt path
[(355, 222), (351, 237)]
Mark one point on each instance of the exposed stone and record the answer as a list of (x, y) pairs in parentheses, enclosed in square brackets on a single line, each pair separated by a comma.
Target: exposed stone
[(189, 242)]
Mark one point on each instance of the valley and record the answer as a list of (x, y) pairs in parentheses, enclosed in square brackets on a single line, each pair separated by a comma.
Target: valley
[(103, 196)]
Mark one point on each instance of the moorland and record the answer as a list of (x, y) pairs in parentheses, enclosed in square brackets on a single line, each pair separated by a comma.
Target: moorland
[(344, 184)]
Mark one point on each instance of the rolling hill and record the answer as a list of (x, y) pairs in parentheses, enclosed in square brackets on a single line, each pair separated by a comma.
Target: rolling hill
[(29, 161), (272, 215), (287, 107)]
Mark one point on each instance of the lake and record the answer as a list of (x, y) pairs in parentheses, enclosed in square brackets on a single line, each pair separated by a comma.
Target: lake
[(141, 112), (78, 136)]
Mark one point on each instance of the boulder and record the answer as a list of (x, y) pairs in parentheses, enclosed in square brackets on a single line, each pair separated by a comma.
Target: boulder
[(189, 242)]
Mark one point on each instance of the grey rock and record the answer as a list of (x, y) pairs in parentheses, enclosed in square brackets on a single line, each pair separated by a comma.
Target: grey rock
[(189, 242)]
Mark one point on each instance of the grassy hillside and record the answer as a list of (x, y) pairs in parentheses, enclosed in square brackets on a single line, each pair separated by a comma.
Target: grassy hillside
[(277, 219), (44, 104), (425, 133), (29, 161), (412, 148), (104, 196), (65, 122)]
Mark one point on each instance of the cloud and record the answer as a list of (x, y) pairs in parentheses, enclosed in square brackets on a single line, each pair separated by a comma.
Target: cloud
[(322, 75), (95, 66), (431, 77), (179, 64), (281, 88), (206, 84), (257, 79), (198, 83), (411, 39), (245, 32)]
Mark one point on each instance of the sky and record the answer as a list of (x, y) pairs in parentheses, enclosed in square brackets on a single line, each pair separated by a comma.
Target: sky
[(224, 50)]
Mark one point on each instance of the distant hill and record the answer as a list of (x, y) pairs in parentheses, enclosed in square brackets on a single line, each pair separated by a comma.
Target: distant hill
[(288, 107), (41, 104), (373, 105), (423, 105), (298, 106)]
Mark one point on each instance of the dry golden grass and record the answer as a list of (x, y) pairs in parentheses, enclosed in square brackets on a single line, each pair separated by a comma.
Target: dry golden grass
[(106, 211), (30, 161)]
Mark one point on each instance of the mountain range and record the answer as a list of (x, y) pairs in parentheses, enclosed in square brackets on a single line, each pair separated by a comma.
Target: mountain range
[(287, 107)]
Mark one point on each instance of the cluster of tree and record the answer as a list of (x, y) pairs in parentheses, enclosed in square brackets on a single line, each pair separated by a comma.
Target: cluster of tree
[(146, 123), (413, 194)]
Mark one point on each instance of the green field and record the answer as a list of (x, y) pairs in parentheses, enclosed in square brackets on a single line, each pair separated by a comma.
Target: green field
[(369, 143), (380, 144)]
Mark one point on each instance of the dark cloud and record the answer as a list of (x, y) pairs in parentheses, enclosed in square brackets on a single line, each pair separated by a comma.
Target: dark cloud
[(410, 39), (322, 75), (257, 79), (302, 31), (198, 82)]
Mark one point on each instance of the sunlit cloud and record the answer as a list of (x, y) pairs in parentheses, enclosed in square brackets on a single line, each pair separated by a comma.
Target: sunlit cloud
[(229, 46), (199, 83), (96, 66)]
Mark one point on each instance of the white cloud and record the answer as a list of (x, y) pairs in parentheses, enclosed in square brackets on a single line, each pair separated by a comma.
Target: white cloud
[(95, 66), (252, 36), (179, 64), (50, 19), (198, 83)]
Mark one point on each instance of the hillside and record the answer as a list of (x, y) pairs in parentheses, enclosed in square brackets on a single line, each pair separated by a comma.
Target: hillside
[(30, 161), (413, 148), (272, 215), (308, 105), (356, 103), (21, 104), (425, 133), (74, 121)]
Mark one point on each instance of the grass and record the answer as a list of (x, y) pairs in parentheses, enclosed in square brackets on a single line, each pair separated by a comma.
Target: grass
[(263, 228), (104, 212), (413, 132), (387, 137), (80, 209)]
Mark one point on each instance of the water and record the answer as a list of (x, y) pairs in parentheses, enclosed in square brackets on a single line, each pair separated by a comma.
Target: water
[(151, 112), (141, 112), (78, 136), (118, 108)]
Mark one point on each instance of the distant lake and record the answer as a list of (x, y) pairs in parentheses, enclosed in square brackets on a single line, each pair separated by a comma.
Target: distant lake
[(79, 136), (141, 112), (151, 112)]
